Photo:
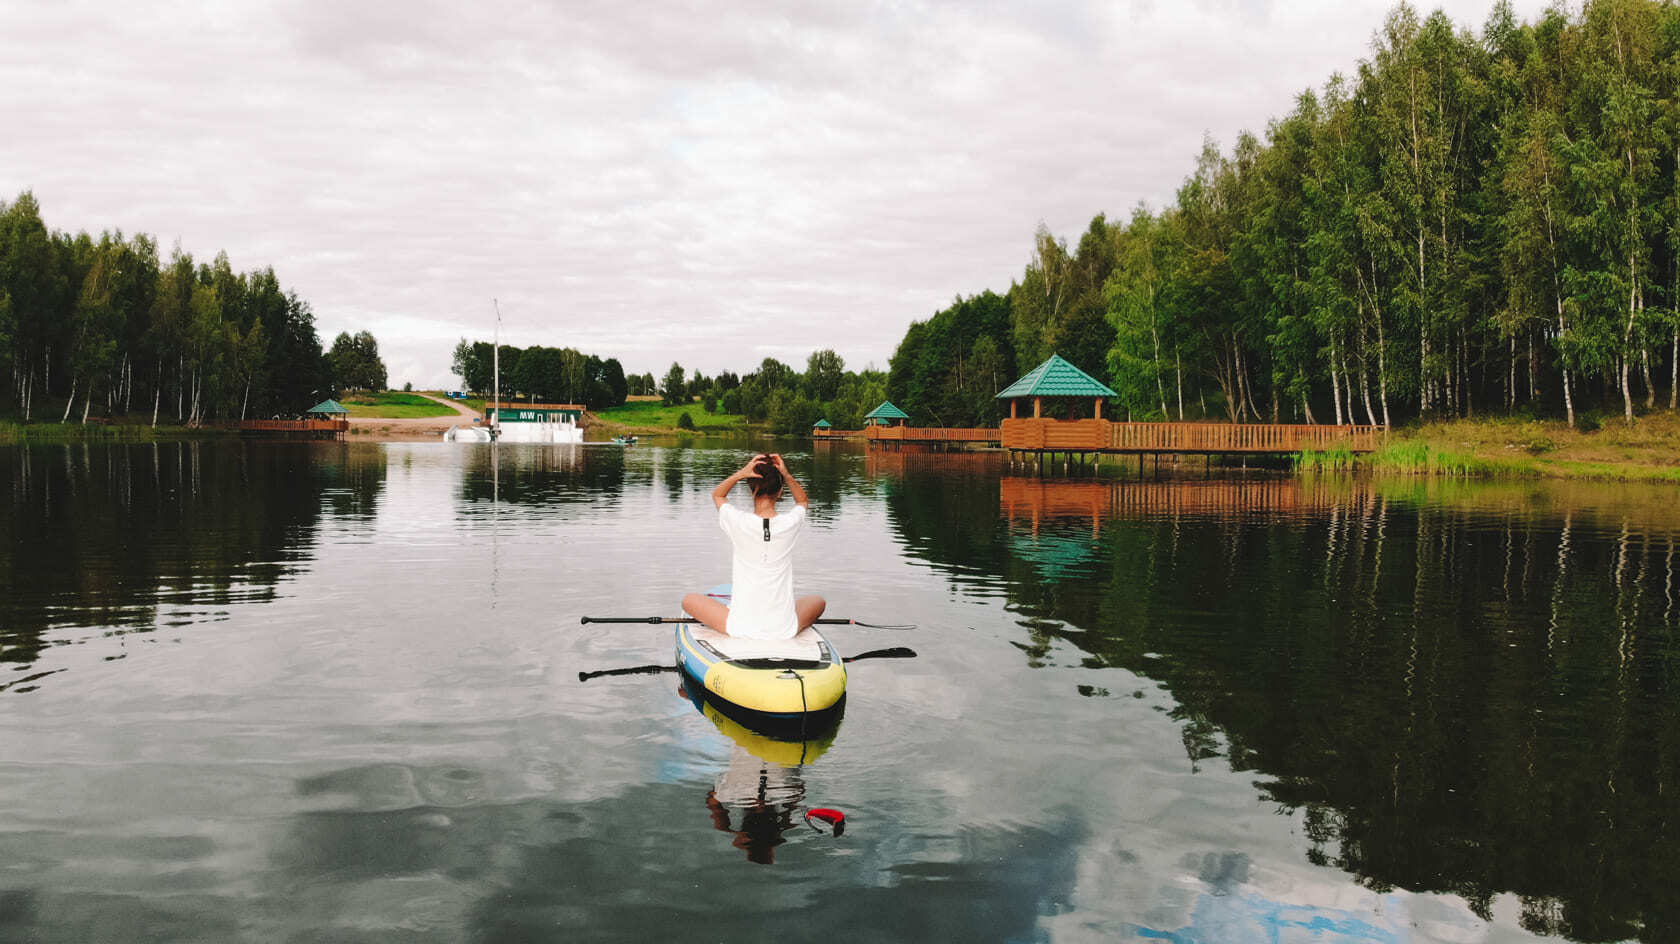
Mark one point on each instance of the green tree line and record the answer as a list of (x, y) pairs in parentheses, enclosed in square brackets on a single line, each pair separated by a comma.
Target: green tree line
[(778, 395), (545, 374), (775, 394), (789, 401), (1471, 222), (105, 326)]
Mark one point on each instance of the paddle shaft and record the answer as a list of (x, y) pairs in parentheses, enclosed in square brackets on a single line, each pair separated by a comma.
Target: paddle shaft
[(897, 652), (658, 620)]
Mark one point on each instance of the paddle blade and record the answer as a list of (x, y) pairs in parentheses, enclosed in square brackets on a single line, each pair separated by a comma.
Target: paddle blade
[(896, 652), (628, 670)]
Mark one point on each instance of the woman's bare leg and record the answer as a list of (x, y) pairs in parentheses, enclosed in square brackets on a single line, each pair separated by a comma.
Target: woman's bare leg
[(809, 609), (707, 610)]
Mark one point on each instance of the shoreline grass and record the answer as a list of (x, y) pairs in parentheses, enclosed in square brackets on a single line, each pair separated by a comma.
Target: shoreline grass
[(1515, 447), (14, 432)]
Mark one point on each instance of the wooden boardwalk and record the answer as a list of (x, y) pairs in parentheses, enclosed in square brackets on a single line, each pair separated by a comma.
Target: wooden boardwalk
[(1038, 435), (887, 435), (1106, 436)]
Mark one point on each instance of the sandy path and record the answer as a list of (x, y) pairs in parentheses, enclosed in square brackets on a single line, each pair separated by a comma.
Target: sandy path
[(412, 429)]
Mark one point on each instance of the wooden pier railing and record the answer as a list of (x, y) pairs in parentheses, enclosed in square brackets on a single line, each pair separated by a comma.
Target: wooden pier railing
[(295, 429), (1093, 435), (929, 434), (294, 426)]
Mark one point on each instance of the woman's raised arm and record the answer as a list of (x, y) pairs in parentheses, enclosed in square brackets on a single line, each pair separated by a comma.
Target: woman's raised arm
[(799, 496), (720, 495)]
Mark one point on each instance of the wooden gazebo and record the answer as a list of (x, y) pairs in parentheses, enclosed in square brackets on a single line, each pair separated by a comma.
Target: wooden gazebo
[(1055, 378), (886, 415), (325, 420), (1034, 437), (328, 409)]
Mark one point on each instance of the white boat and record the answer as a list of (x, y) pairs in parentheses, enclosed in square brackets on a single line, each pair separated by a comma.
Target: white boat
[(468, 434), (535, 422), (519, 422)]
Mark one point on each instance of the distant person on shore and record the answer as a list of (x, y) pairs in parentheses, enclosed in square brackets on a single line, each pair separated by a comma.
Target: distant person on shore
[(762, 605)]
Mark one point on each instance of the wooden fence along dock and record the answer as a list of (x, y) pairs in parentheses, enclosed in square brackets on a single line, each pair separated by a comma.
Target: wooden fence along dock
[(895, 435), (1033, 434), (1035, 439), (325, 420), (296, 429)]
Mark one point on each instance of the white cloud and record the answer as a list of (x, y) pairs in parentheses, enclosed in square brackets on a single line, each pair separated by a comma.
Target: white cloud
[(694, 182)]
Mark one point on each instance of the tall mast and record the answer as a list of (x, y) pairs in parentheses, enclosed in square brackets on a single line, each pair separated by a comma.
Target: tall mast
[(496, 366)]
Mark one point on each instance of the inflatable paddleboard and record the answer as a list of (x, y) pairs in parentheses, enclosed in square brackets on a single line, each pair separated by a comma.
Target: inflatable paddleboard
[(775, 684)]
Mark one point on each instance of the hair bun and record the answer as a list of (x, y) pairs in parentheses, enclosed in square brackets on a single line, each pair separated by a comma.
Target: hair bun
[(768, 479)]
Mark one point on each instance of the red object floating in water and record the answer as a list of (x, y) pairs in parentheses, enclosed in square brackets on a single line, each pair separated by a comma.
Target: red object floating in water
[(834, 819)]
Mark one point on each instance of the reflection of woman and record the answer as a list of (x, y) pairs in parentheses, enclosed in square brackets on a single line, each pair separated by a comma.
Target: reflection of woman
[(762, 604), (765, 795)]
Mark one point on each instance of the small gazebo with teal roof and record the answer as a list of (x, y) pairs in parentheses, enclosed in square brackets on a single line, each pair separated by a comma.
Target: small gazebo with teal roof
[(328, 409), (886, 415), (1055, 378), (822, 424)]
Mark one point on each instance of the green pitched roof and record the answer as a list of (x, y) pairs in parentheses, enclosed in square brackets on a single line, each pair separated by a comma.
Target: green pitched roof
[(822, 424), (886, 411), (328, 406), (1057, 378)]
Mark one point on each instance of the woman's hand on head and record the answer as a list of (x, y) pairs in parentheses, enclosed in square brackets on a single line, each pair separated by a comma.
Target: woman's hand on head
[(750, 470), (776, 457)]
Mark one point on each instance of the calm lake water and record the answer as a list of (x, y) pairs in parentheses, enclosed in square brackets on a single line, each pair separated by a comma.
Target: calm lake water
[(330, 692)]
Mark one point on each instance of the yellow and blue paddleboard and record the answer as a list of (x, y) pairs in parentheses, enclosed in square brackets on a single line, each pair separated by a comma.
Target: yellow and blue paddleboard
[(763, 683)]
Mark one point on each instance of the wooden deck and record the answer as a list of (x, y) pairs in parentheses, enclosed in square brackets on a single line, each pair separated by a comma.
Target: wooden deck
[(303, 429), (1040, 435), (929, 434), (1092, 435)]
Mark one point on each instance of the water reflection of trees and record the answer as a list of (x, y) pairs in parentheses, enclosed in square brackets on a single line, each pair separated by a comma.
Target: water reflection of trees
[(1457, 699), (535, 474), (130, 537)]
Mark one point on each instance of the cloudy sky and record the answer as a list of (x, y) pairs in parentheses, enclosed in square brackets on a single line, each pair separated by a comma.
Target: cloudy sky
[(706, 183)]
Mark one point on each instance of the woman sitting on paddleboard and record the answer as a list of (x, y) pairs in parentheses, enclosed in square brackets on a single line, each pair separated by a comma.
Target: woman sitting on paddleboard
[(762, 605)]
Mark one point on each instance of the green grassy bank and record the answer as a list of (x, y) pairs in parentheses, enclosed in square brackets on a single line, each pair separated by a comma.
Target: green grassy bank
[(1505, 447), (647, 416), (394, 405)]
